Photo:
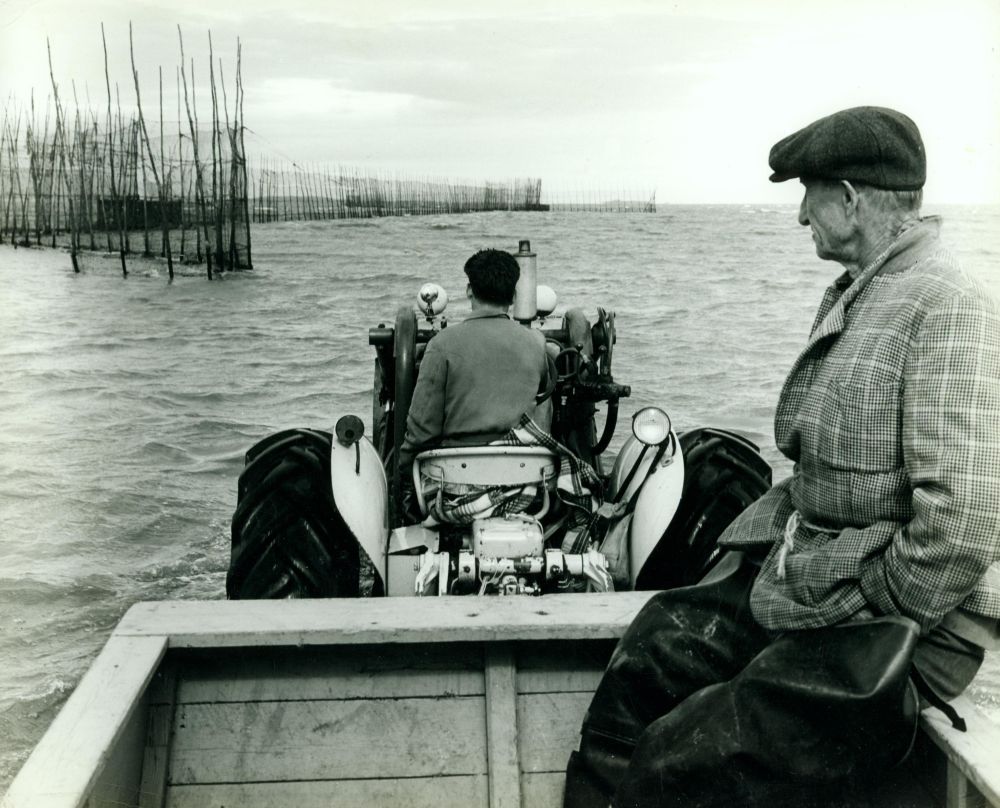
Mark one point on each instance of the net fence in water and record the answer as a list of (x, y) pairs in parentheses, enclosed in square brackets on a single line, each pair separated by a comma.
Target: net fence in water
[(100, 180), (284, 191)]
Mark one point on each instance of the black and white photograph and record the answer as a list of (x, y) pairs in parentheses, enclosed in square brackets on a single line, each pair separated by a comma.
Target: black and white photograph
[(511, 404)]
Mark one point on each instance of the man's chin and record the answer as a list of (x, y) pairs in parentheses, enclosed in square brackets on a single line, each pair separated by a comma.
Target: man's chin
[(823, 251)]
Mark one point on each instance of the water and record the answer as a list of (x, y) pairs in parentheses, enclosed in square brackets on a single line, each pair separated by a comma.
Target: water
[(127, 405)]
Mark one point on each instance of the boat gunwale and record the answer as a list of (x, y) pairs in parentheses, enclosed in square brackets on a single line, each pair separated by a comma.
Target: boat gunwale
[(227, 624), (68, 761)]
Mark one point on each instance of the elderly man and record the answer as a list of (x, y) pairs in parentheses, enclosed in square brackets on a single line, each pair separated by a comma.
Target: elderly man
[(787, 676)]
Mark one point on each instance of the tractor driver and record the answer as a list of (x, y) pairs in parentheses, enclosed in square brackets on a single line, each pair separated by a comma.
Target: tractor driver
[(478, 377)]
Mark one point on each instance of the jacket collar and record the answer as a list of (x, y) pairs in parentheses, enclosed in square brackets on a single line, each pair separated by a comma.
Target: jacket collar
[(912, 244), (480, 314)]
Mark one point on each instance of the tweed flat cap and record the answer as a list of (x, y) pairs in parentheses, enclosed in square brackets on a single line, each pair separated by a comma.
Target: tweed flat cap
[(874, 145)]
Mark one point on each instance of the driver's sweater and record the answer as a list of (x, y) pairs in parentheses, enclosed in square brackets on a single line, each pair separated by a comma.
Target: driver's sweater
[(475, 381)]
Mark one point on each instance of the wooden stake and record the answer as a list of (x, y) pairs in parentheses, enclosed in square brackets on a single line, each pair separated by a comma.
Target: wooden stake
[(243, 148), (61, 136), (149, 149), (164, 188), (217, 193), (180, 161), (234, 260), (198, 167)]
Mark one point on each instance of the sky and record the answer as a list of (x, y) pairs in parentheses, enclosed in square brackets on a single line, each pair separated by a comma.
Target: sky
[(682, 97)]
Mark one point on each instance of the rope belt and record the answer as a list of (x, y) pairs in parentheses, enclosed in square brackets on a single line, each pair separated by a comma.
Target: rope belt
[(788, 540)]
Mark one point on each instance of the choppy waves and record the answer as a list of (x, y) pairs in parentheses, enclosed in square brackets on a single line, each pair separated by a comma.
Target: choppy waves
[(127, 405)]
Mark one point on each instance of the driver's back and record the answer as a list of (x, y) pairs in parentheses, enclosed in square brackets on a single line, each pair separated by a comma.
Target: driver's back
[(475, 381)]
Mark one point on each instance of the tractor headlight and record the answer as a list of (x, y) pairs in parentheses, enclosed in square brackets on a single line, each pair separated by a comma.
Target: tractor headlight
[(651, 426)]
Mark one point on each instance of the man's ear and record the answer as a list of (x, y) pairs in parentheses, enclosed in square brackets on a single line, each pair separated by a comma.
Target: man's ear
[(850, 197), (468, 290)]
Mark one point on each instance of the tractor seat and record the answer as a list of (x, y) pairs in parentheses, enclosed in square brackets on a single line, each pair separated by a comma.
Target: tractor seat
[(486, 467)]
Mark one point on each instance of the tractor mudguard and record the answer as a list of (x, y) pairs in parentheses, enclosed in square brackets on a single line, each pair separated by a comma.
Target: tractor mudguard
[(723, 474), (653, 493), (361, 494)]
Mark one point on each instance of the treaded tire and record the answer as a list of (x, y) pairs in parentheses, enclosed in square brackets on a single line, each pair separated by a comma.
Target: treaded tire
[(723, 474), (288, 538)]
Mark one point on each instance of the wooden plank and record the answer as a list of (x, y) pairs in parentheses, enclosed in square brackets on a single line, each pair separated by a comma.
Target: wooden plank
[(156, 757), (221, 623), (119, 782), (959, 792), (549, 729), (73, 754), (272, 674), (156, 751), (311, 740), (559, 666), (162, 688), (502, 727), (542, 789), (974, 755), (462, 791)]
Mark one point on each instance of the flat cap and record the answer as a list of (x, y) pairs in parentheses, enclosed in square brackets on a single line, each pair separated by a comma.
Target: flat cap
[(874, 145)]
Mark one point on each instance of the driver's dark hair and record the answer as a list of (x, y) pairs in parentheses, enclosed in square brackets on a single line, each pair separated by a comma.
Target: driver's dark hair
[(493, 276)]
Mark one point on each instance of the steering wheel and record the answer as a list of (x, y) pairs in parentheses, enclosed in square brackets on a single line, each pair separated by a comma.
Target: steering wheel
[(576, 366)]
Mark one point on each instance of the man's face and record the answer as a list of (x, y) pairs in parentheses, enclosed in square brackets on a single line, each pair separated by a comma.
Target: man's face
[(824, 210)]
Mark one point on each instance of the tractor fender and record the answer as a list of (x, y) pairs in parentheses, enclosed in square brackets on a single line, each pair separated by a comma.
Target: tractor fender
[(656, 492), (361, 494), (724, 474)]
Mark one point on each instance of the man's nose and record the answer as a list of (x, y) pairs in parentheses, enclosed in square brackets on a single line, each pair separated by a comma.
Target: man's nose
[(803, 216)]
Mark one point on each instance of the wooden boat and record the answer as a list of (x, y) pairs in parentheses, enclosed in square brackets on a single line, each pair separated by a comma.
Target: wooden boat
[(446, 701)]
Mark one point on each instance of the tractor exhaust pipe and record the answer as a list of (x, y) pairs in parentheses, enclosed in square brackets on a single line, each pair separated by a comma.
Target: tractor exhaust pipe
[(526, 291)]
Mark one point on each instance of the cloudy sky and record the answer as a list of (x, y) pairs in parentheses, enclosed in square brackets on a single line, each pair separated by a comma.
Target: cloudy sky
[(686, 97)]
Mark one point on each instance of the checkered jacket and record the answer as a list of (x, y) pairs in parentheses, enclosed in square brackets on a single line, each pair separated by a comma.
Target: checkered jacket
[(891, 414)]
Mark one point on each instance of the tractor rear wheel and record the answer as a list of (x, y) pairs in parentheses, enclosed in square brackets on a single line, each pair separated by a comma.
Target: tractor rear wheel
[(288, 538)]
